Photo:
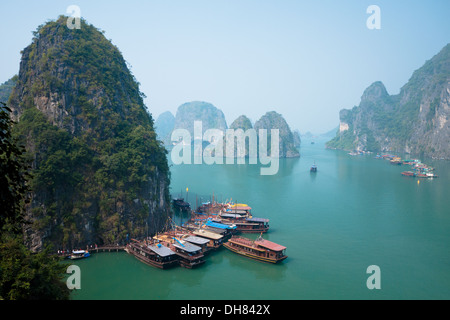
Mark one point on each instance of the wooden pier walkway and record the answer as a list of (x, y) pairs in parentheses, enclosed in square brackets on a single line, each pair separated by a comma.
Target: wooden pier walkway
[(110, 248), (107, 249)]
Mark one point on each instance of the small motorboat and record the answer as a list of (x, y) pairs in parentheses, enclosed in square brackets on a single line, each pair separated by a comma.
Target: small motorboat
[(79, 254)]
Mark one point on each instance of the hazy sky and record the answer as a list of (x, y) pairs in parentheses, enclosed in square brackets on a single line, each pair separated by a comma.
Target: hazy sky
[(303, 59)]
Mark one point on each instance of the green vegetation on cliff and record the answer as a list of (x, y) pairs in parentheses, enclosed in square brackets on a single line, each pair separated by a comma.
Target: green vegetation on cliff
[(415, 120), (23, 274), (344, 141), (99, 173), (242, 122), (6, 89)]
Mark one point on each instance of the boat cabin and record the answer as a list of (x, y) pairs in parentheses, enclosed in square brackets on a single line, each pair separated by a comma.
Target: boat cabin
[(198, 241), (260, 249), (154, 254), (190, 254), (215, 240)]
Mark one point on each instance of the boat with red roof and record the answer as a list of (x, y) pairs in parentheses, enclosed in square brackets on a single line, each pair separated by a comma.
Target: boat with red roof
[(259, 249)]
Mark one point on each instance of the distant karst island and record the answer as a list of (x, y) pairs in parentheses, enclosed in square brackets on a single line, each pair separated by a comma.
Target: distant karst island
[(414, 121), (213, 118)]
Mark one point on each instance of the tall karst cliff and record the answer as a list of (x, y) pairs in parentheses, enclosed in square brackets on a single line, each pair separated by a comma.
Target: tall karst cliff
[(415, 121), (243, 123), (99, 173), (207, 114), (164, 125), (273, 120)]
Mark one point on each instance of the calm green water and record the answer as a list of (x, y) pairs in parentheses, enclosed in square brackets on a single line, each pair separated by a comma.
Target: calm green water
[(355, 212)]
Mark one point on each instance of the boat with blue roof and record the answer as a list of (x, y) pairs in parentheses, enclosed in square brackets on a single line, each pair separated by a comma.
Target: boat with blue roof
[(79, 254)]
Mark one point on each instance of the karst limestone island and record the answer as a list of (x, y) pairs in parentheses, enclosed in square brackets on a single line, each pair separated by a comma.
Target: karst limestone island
[(99, 175), (211, 117), (414, 121)]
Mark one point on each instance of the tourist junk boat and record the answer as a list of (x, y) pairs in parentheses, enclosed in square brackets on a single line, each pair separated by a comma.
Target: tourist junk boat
[(313, 168), (234, 217), (198, 241), (240, 216), (215, 240), (190, 254), (396, 161), (419, 174), (250, 225), (239, 209), (217, 226), (181, 204), (419, 169), (260, 249), (79, 254), (153, 254)]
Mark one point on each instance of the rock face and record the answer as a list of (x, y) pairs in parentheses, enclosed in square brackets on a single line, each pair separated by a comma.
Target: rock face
[(414, 121), (210, 116), (297, 139), (243, 123), (99, 174), (6, 89), (164, 125), (274, 120)]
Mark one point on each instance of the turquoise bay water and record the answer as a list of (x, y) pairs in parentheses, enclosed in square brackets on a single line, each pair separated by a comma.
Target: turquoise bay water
[(354, 212)]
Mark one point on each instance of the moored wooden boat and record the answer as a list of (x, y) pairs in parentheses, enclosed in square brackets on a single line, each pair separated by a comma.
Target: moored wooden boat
[(198, 241), (421, 175), (215, 239), (260, 249), (181, 204), (154, 254), (190, 255), (245, 224), (252, 225), (238, 209)]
